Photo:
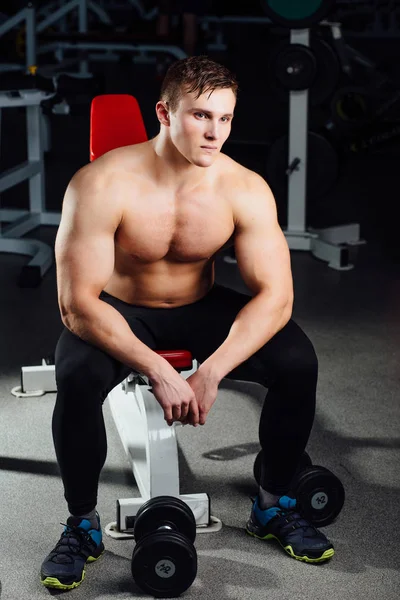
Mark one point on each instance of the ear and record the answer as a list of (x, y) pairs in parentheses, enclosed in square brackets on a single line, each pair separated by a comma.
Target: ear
[(162, 113)]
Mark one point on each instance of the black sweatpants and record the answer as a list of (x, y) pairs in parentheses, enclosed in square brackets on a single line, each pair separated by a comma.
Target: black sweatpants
[(287, 365)]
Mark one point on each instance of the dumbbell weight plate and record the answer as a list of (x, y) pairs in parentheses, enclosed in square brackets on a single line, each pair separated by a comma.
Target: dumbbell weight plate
[(295, 67), (297, 15), (352, 107), (164, 564), (322, 166), (321, 81), (305, 462), (320, 495), (165, 511)]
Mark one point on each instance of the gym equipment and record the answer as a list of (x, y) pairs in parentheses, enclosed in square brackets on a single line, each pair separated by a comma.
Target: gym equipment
[(164, 560), (316, 67), (91, 46), (319, 493), (337, 244), (369, 18), (352, 107), (322, 166), (305, 461), (294, 67), (365, 119), (297, 15), (28, 91), (28, 16), (37, 38), (150, 444)]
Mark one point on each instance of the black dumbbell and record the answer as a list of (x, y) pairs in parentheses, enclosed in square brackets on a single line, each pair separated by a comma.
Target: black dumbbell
[(164, 560), (305, 461), (319, 493)]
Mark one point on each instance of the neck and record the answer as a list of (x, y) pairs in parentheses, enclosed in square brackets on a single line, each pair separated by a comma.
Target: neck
[(172, 168)]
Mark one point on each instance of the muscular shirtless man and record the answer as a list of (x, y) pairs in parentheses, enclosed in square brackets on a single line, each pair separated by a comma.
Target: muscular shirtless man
[(135, 250)]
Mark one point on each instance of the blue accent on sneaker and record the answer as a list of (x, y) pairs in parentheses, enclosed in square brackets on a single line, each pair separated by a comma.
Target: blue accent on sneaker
[(287, 502), (263, 516), (85, 524)]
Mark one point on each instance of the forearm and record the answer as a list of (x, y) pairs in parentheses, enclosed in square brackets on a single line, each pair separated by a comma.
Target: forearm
[(258, 321), (103, 326)]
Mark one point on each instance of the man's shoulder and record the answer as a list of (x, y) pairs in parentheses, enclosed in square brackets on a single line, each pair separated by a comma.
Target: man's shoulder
[(245, 189), (109, 167), (240, 178)]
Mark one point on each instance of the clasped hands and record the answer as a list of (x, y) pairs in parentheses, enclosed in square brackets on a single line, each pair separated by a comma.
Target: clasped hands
[(186, 400)]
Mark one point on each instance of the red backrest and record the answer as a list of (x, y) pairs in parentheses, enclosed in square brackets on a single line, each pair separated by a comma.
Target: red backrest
[(115, 121)]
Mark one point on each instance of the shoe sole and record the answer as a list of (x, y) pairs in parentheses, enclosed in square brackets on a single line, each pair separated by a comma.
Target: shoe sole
[(53, 582), (289, 550)]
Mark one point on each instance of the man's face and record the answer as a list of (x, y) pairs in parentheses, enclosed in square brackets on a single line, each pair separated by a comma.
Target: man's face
[(199, 127)]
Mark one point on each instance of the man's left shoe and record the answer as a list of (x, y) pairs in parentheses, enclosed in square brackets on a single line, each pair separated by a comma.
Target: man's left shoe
[(297, 536)]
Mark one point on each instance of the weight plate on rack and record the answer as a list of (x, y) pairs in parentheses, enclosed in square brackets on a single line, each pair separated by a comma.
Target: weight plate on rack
[(322, 166), (296, 14), (325, 77), (352, 107), (295, 67)]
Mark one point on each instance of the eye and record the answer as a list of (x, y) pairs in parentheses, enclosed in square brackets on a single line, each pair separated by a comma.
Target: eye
[(200, 114)]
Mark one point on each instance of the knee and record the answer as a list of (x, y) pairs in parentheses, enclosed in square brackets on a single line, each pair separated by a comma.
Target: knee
[(73, 376), (82, 374), (300, 358)]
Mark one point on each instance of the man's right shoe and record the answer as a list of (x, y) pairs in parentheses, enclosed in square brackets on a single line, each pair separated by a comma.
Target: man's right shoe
[(299, 538), (64, 567)]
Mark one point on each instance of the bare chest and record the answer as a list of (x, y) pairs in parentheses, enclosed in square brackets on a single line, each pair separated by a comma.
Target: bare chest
[(178, 231)]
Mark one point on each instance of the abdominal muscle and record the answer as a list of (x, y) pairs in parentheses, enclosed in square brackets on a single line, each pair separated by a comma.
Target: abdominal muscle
[(163, 284)]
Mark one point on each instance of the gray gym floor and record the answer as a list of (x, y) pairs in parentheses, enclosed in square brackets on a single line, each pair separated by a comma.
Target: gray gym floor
[(353, 320)]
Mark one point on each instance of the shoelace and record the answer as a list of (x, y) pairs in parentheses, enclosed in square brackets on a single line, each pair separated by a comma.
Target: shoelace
[(296, 521), (72, 533)]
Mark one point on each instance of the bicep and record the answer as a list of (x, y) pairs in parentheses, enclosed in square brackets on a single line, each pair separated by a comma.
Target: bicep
[(261, 249), (84, 246)]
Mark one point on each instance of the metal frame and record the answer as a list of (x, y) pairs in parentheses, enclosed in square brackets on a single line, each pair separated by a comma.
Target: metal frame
[(60, 47), (82, 6), (335, 245), (24, 221), (109, 47), (29, 16)]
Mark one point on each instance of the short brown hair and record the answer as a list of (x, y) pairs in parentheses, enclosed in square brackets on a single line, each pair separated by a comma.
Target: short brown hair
[(195, 74)]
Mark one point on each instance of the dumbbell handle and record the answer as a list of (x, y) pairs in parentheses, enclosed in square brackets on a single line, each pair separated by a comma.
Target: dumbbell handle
[(168, 527)]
